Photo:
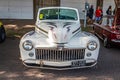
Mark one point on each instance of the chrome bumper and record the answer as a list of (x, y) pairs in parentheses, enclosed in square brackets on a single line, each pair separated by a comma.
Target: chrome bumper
[(58, 65), (115, 41)]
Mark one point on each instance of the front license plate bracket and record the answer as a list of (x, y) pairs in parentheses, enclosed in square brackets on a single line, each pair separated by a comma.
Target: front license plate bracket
[(78, 63)]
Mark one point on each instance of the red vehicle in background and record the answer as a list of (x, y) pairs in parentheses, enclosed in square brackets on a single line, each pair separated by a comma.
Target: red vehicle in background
[(109, 29)]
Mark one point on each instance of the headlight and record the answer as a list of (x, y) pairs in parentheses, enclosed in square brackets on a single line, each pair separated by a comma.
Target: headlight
[(27, 45), (92, 45)]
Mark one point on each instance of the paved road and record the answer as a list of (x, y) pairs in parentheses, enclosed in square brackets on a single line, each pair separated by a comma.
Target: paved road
[(11, 68)]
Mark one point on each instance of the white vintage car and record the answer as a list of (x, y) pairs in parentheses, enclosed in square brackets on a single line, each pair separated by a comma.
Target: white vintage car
[(58, 42)]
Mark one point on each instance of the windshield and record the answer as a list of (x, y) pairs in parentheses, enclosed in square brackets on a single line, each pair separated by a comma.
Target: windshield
[(62, 14)]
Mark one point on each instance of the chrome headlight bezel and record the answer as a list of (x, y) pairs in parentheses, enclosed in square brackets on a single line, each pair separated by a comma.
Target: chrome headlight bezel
[(92, 45), (27, 45)]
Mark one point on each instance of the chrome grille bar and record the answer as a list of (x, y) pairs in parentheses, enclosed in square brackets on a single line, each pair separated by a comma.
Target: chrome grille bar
[(59, 55)]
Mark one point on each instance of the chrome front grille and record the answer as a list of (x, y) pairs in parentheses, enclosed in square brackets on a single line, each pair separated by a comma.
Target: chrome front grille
[(59, 55)]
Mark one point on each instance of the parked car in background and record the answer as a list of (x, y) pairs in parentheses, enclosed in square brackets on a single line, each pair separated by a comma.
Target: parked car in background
[(58, 42), (2, 32), (109, 29)]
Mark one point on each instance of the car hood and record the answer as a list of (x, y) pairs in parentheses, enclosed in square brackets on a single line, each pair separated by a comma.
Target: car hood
[(60, 31)]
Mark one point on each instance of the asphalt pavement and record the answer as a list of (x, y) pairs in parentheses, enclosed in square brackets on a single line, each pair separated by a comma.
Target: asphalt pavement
[(11, 67)]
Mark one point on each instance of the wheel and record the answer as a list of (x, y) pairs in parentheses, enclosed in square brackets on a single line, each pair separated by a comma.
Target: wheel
[(2, 34), (106, 43)]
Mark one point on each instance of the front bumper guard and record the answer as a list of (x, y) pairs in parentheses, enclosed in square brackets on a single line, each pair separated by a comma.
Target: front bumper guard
[(33, 63)]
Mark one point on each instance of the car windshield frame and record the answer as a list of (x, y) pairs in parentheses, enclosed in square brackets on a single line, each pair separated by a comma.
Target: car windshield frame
[(58, 14)]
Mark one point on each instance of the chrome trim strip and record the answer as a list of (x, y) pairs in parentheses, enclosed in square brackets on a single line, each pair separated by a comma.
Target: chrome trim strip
[(76, 30), (42, 30), (117, 41)]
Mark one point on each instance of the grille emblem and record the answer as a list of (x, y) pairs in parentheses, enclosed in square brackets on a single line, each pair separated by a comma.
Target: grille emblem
[(60, 47)]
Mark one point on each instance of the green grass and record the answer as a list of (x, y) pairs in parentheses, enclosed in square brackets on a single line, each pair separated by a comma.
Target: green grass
[(17, 32), (87, 29)]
